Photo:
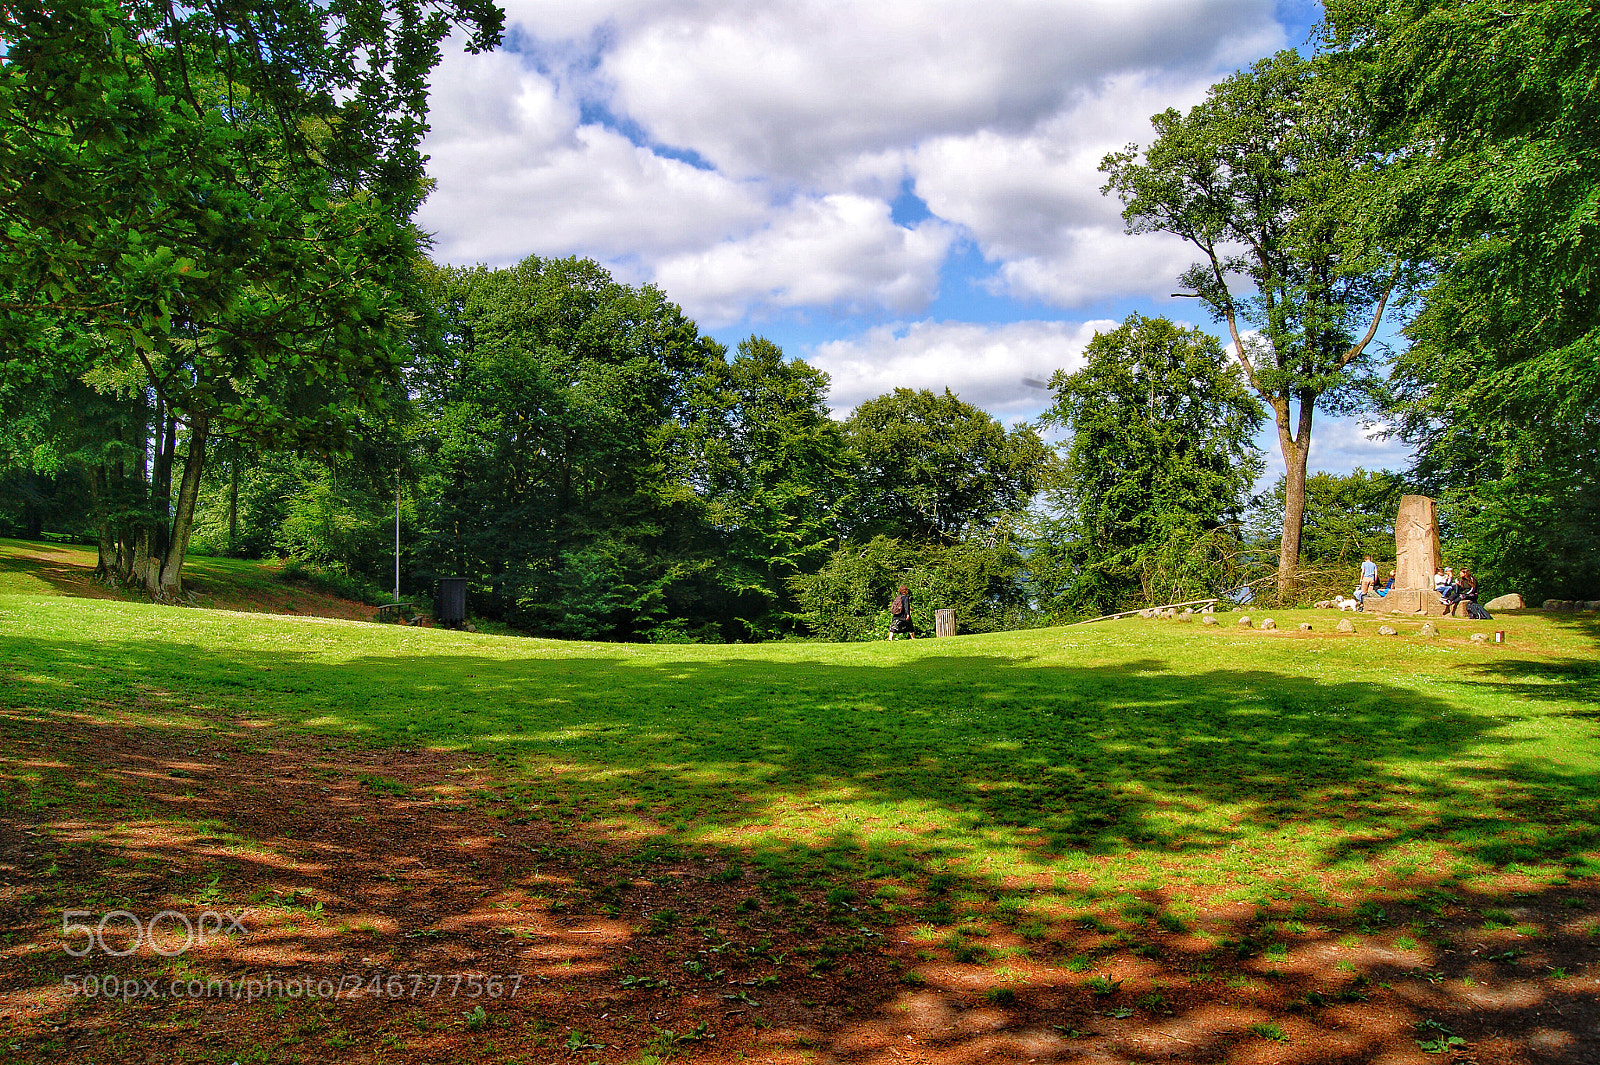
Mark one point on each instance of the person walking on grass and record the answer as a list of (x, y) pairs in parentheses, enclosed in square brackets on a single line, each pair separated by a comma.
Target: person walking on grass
[(900, 614), (1369, 577)]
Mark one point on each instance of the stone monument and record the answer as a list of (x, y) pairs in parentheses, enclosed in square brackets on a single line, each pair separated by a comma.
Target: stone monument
[(1417, 556)]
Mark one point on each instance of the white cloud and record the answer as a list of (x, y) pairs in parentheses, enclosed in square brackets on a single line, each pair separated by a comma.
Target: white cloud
[(518, 173), (986, 365), (792, 87), (839, 251), (799, 120), (1341, 444), (1032, 202)]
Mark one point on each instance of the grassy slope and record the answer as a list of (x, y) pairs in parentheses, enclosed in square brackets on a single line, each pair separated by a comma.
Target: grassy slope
[(1103, 757), (30, 568)]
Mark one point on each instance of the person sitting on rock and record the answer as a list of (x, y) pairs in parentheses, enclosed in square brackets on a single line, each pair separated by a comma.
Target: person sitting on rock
[(1464, 590)]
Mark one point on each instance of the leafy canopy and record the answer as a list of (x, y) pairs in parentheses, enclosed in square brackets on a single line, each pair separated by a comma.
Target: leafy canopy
[(1160, 458)]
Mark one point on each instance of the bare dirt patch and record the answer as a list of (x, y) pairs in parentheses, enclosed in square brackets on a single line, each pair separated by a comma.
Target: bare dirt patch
[(403, 905)]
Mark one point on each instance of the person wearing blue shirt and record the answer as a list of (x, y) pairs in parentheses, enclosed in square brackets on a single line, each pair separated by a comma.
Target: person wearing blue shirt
[(1369, 576)]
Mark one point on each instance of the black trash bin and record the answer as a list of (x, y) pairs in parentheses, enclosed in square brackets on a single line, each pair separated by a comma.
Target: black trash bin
[(450, 604)]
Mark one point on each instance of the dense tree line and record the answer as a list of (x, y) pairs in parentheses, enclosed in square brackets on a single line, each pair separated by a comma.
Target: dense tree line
[(219, 328), (1489, 112)]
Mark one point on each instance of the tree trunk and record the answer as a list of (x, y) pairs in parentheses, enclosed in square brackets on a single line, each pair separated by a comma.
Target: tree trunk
[(161, 478), (100, 479), (1296, 450), (233, 502), (183, 516), (32, 515), (146, 567)]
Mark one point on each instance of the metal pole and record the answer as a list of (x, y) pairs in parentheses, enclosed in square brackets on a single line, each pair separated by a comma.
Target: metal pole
[(397, 533)]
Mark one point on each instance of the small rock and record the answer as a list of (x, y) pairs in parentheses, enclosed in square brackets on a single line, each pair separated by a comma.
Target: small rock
[(1209, 608), (1244, 622), (1268, 623), (1326, 604), (1479, 637), (1386, 630), (1346, 625), (1305, 626), (1208, 621), (1552, 604), (1188, 610), (1170, 614), (1505, 602), (1186, 616), (1428, 629)]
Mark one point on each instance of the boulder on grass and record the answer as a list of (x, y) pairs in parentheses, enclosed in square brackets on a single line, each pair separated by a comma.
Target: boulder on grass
[(1268, 623), (1244, 622), (1505, 602), (1305, 626), (1346, 625), (1428, 629), (1387, 630), (1479, 637), (1208, 621)]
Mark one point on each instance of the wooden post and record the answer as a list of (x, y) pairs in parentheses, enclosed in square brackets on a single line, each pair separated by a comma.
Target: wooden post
[(944, 622)]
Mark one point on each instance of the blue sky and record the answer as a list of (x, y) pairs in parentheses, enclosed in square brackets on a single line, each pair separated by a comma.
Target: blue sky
[(902, 192)]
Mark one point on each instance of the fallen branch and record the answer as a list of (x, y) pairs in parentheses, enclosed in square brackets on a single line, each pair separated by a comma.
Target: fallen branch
[(1141, 610)]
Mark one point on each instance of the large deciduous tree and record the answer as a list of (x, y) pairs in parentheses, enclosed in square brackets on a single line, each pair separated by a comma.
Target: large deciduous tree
[(1267, 178), (223, 191), (555, 406), (1492, 110), (933, 468), (774, 473), (1160, 460)]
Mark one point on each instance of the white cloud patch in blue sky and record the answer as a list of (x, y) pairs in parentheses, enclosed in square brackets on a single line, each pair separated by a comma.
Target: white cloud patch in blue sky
[(904, 191)]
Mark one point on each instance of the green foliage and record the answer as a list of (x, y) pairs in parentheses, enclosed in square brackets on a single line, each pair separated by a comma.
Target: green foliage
[(931, 468), (774, 471), (1268, 179), (848, 598), (555, 404), (222, 195), (1346, 518), (335, 582), (1492, 112), (1161, 456)]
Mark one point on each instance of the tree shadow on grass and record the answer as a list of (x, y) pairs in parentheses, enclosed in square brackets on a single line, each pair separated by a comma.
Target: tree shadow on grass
[(990, 751), (609, 793)]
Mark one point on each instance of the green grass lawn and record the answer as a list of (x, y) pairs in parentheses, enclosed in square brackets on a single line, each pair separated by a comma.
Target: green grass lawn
[(1133, 779), (1134, 752)]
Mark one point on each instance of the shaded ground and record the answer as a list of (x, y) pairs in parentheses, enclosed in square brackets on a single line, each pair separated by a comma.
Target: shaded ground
[(371, 872)]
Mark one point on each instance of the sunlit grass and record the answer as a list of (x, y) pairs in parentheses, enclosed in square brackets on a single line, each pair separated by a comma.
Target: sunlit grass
[(1191, 760)]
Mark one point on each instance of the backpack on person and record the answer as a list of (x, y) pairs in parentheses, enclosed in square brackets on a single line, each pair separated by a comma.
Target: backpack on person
[(900, 617)]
